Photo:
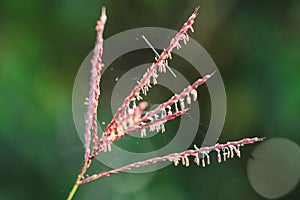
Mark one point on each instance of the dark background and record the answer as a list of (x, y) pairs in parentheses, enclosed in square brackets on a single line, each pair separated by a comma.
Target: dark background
[(255, 45)]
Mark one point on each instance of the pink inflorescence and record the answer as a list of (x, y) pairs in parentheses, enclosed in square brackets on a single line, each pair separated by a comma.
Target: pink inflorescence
[(94, 92), (129, 116), (199, 154), (224, 151)]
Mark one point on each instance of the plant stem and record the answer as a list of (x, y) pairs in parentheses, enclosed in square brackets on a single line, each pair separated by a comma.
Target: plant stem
[(73, 191), (79, 177)]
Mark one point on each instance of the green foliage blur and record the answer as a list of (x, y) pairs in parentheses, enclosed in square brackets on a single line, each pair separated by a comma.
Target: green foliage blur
[(255, 45)]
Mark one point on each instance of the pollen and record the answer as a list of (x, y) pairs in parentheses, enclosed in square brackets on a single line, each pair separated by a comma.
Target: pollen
[(194, 94)]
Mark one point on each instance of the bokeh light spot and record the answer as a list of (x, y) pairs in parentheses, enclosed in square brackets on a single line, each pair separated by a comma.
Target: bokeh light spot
[(273, 170)]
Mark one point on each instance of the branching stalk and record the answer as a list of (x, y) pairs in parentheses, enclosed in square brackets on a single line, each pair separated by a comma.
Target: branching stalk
[(229, 149), (129, 119)]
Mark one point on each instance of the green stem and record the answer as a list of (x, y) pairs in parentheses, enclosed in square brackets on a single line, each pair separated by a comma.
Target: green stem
[(80, 175), (73, 191)]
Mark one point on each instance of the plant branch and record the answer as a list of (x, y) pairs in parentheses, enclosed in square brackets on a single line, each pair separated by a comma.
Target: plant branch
[(144, 84), (94, 91), (185, 93), (228, 151), (92, 101)]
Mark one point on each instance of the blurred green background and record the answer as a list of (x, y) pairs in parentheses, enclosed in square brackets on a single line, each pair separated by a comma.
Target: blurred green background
[(255, 45)]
